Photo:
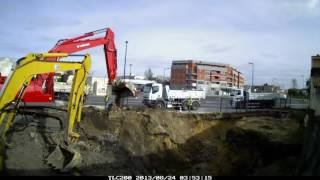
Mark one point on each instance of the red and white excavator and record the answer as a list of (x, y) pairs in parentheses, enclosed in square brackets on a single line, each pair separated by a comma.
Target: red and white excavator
[(41, 88)]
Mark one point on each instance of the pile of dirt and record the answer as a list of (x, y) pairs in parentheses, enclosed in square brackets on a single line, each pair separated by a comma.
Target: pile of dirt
[(145, 142), (260, 146), (151, 142)]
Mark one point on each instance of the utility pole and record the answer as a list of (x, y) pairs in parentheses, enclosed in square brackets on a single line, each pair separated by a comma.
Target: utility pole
[(164, 72), (125, 61), (252, 75), (303, 84), (238, 80), (130, 70), (273, 81)]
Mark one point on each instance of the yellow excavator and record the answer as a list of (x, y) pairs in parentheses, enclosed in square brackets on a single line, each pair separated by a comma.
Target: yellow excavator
[(13, 90)]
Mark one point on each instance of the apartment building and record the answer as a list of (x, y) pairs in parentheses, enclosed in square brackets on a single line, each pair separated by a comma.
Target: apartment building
[(214, 77)]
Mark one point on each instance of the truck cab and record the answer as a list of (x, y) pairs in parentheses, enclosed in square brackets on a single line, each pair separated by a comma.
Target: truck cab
[(153, 95), (261, 100), (239, 97)]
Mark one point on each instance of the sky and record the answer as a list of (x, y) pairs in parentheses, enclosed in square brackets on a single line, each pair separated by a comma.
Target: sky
[(278, 36)]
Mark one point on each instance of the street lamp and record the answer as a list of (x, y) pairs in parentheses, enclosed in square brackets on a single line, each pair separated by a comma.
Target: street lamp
[(125, 61), (252, 75), (164, 72), (274, 81), (130, 70), (303, 84)]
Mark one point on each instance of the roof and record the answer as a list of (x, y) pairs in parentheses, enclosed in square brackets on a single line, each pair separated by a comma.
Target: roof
[(199, 62)]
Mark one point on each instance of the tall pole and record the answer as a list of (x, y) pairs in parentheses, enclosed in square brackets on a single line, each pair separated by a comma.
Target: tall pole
[(252, 76), (273, 81), (125, 61), (238, 80), (130, 70), (303, 84), (164, 73)]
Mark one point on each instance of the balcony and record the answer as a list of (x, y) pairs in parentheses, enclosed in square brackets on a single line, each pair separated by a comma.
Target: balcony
[(229, 80), (215, 78), (191, 78), (192, 73), (215, 74), (189, 72)]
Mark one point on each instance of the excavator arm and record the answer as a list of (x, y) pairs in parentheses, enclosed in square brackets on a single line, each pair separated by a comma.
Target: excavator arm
[(35, 91), (79, 43), (32, 65), (83, 42), (19, 79)]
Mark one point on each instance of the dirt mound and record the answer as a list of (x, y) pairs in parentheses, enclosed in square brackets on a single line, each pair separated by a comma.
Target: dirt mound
[(147, 140), (261, 146), (151, 142)]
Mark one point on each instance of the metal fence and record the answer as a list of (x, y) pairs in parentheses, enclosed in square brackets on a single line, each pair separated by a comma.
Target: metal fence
[(212, 104), (224, 104)]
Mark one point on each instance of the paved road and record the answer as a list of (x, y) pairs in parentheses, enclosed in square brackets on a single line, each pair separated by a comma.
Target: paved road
[(211, 104)]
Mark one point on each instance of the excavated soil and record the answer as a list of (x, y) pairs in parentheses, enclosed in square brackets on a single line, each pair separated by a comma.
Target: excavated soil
[(151, 142)]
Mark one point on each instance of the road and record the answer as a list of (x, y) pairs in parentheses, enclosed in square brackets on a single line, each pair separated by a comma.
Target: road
[(211, 104)]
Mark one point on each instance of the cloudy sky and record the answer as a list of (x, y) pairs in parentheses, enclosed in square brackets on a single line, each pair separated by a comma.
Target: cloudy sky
[(279, 36)]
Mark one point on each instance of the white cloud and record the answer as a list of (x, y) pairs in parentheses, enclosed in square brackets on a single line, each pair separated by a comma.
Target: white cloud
[(5, 66), (313, 3), (280, 36)]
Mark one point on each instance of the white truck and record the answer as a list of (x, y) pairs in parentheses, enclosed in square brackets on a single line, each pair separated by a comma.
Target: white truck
[(158, 96), (62, 89), (243, 99)]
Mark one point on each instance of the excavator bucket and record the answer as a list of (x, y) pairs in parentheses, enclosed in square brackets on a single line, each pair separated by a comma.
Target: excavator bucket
[(63, 159), (123, 90)]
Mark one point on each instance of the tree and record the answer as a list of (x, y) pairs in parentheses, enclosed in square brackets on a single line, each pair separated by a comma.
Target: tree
[(297, 93), (294, 83), (148, 74), (308, 87), (293, 92)]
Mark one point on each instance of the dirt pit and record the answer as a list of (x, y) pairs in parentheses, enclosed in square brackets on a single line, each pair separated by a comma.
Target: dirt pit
[(151, 142)]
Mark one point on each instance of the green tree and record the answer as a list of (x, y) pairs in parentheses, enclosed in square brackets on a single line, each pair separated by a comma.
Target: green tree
[(293, 92), (148, 74)]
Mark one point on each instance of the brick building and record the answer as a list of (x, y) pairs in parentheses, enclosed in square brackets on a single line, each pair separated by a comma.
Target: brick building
[(211, 76)]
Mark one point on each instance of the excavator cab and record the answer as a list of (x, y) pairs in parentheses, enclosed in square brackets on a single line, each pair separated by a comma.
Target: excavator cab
[(18, 81)]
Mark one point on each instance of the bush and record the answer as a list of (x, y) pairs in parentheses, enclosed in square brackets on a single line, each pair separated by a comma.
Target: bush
[(293, 92)]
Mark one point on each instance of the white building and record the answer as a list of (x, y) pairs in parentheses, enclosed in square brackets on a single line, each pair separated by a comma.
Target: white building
[(97, 85)]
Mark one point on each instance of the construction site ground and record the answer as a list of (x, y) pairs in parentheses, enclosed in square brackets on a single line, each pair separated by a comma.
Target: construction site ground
[(154, 142)]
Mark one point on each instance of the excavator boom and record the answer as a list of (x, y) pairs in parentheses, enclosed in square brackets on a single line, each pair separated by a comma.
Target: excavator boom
[(81, 43), (41, 88), (19, 79)]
